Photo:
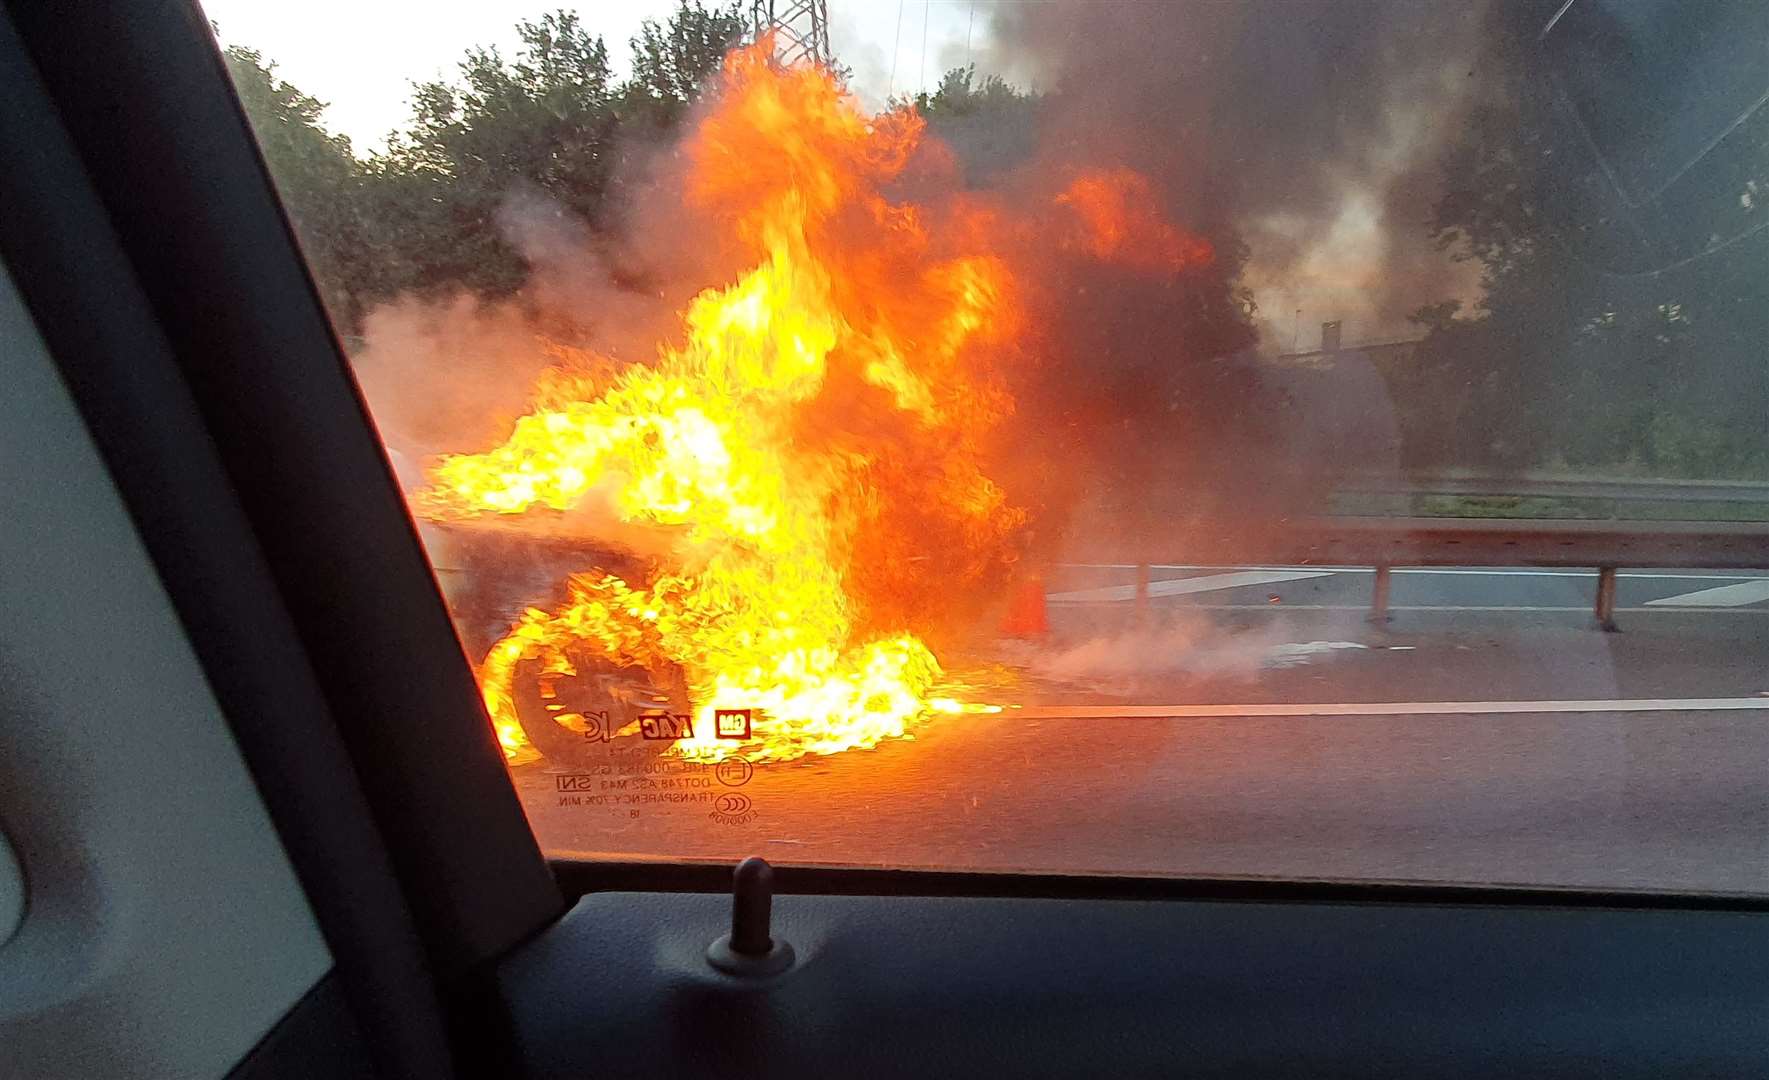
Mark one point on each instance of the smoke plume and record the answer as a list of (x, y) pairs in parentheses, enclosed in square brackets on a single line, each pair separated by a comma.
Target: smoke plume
[(1315, 127)]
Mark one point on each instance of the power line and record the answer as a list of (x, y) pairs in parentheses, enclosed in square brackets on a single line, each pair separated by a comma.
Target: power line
[(1641, 275), (1558, 15), (1713, 143), (926, 8), (896, 47)]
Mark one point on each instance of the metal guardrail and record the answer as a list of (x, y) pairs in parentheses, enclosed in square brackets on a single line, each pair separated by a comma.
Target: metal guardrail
[(1384, 543), (1548, 486), (1145, 539), (1426, 541)]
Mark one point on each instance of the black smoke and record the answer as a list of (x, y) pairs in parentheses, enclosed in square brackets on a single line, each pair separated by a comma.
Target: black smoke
[(1296, 120)]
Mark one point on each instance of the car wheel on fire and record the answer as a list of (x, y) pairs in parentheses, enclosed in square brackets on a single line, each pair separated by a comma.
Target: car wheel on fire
[(576, 717)]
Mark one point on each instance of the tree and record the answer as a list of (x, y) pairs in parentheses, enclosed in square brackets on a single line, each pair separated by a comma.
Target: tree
[(545, 121), (959, 94), (318, 178), (673, 62), (550, 122), (1615, 328), (990, 124), (426, 215)]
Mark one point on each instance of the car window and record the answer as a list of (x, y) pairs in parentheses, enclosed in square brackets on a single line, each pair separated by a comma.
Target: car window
[(1256, 439)]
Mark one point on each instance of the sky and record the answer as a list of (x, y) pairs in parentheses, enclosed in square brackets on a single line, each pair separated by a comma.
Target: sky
[(361, 56)]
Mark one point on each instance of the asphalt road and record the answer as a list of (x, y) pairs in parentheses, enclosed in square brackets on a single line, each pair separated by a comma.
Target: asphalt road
[(1253, 723)]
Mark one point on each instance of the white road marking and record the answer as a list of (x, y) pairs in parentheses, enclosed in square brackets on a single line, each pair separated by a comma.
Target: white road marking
[(1390, 708), (1748, 592), (1585, 608), (1182, 586), (1571, 574), (1298, 653), (1493, 572)]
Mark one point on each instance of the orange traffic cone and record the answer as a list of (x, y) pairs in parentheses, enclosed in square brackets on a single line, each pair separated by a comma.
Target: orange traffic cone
[(1026, 616)]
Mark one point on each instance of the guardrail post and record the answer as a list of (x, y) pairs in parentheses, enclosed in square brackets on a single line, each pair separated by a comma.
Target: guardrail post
[(1142, 590), (1379, 596), (1605, 606)]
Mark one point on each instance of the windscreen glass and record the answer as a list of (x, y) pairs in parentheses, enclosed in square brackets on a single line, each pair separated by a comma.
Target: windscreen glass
[(1323, 440)]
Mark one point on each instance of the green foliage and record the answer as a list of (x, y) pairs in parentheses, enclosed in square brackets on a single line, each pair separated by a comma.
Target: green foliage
[(1677, 445), (545, 120), (424, 215), (959, 94), (671, 63), (991, 125), (1612, 333)]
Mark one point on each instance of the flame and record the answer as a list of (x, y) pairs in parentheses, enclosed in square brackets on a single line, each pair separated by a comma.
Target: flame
[(1122, 223), (814, 436), (717, 438)]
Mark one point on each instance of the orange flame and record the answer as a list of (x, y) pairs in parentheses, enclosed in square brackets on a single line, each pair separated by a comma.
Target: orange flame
[(1122, 223)]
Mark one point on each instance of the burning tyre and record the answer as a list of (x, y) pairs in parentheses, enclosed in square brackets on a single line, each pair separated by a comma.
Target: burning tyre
[(575, 716)]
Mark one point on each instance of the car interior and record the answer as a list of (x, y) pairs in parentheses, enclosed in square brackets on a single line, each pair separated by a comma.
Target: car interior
[(254, 821)]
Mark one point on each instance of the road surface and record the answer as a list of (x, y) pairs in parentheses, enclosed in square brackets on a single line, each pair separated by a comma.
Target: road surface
[(1253, 723)]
